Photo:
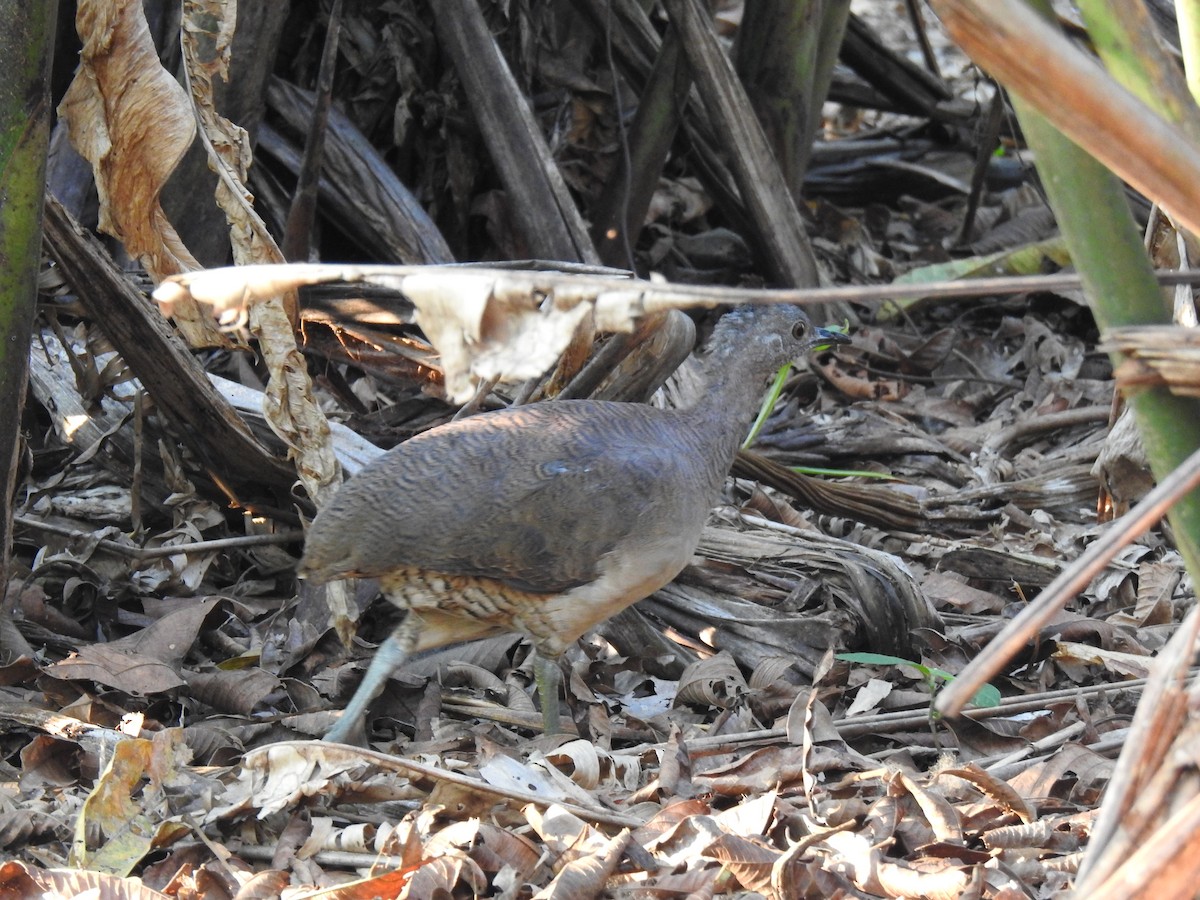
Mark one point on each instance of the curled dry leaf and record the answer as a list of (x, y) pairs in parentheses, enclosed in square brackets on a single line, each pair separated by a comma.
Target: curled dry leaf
[(546, 780), (129, 118), (477, 332), (1051, 832), (484, 323), (1129, 665), (999, 791), (586, 875), (939, 813), (444, 876), (289, 406), (716, 681), (491, 846), (750, 817), (591, 766), (749, 861), (18, 879)]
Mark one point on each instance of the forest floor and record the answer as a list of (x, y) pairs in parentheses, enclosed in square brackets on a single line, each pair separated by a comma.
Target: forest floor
[(162, 694)]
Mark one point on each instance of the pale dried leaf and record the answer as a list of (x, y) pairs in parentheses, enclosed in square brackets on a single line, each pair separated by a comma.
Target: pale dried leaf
[(452, 315), (1129, 665), (547, 781), (123, 819), (751, 818), (869, 696), (486, 322), (562, 829), (503, 848)]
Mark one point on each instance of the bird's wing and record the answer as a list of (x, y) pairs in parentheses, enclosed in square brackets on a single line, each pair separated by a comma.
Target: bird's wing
[(535, 500)]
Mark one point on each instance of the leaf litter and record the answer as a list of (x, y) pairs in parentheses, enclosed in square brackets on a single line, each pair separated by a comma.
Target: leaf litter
[(162, 689)]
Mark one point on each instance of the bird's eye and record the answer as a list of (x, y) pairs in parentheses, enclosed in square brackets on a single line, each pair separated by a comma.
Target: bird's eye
[(799, 329)]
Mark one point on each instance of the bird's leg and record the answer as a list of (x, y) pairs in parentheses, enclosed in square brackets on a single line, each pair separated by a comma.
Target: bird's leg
[(391, 655), (547, 676)]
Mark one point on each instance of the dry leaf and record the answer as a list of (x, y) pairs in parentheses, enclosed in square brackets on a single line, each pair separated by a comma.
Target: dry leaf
[(131, 120)]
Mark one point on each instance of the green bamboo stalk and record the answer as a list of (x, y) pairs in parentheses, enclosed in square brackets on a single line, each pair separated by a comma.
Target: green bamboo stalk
[(26, 48), (1188, 14), (1107, 249), (1124, 36)]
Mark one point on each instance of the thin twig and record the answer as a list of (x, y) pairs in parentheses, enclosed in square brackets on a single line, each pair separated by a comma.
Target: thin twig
[(141, 553)]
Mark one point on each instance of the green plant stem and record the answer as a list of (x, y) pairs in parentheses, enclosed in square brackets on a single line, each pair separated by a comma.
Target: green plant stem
[(1106, 246), (768, 405), (1127, 41), (1188, 14), (26, 48)]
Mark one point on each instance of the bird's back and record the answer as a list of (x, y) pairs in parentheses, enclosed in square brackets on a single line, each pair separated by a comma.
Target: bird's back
[(534, 497)]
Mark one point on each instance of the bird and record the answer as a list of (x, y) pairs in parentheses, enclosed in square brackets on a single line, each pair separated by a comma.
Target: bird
[(547, 519)]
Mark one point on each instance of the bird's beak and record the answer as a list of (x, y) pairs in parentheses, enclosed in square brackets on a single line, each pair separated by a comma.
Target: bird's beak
[(824, 338)]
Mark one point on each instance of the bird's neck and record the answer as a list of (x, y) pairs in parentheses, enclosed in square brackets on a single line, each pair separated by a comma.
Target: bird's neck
[(734, 388)]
